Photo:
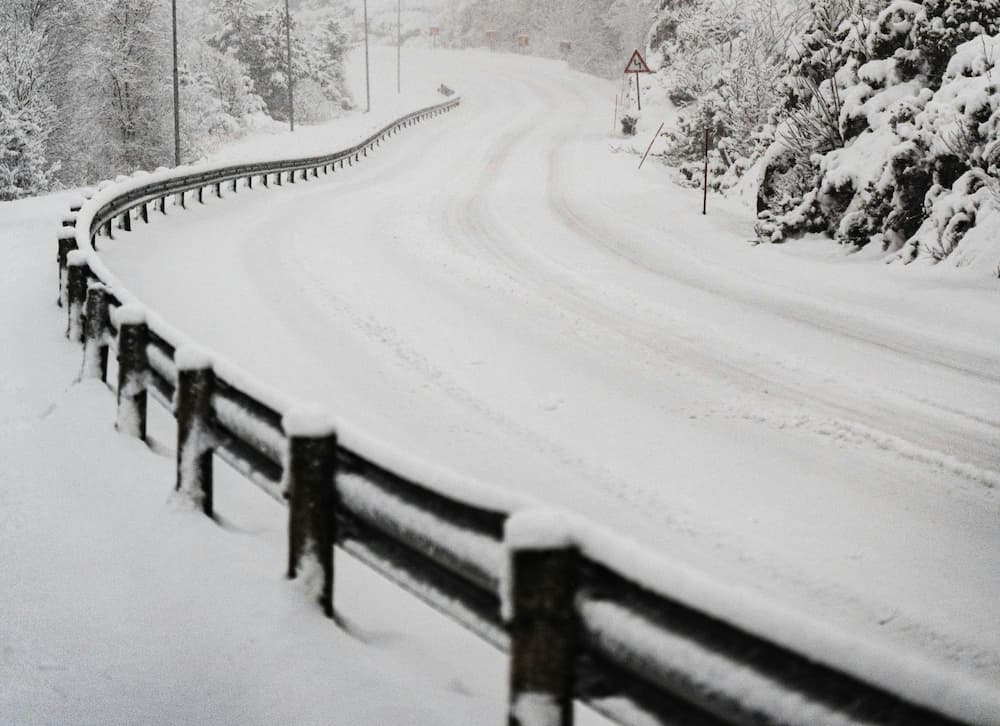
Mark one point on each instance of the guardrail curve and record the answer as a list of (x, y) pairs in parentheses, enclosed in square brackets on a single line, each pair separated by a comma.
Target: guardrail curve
[(584, 614)]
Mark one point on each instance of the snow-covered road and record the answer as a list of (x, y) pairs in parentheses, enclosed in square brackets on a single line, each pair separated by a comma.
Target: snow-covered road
[(496, 293)]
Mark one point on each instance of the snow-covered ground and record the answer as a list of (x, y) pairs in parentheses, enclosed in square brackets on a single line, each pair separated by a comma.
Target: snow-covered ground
[(496, 293), (120, 603)]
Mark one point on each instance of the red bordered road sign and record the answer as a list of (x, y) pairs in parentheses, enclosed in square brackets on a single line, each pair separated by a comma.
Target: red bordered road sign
[(637, 64)]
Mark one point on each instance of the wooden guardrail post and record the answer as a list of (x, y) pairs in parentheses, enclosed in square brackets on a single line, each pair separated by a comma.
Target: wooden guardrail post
[(541, 619), (96, 327), (67, 243), (126, 220), (133, 369), (76, 294), (311, 467), (144, 212), (195, 435)]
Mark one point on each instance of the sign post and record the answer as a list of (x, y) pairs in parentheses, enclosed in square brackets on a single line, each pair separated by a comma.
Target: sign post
[(368, 82), (704, 198), (637, 65)]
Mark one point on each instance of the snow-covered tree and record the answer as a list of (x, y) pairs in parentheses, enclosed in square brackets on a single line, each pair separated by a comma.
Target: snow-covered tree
[(256, 38), (722, 63), (23, 167), (27, 113)]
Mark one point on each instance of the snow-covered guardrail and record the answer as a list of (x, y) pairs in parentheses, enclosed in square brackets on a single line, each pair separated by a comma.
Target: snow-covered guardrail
[(584, 614)]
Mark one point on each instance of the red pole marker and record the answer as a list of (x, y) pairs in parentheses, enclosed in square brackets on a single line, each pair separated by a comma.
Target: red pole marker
[(651, 142)]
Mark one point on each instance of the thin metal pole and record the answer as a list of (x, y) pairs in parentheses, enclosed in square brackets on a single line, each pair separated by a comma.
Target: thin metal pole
[(368, 85), (177, 90), (704, 198), (399, 46), (291, 80), (650, 147)]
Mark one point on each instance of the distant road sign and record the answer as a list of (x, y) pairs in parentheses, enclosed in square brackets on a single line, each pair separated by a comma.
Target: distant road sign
[(637, 64), (522, 41), (434, 30), (565, 46)]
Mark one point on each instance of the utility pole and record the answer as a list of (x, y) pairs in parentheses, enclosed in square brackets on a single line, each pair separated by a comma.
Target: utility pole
[(291, 82), (704, 198), (368, 83), (177, 91), (399, 46)]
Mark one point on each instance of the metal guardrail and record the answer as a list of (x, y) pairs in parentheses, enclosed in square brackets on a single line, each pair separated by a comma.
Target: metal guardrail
[(575, 627)]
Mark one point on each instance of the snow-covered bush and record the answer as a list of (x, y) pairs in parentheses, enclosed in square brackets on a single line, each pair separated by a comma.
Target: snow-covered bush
[(904, 108), (216, 101), (722, 64)]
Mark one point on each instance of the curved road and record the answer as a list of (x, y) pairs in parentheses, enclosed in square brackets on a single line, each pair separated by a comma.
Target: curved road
[(494, 292)]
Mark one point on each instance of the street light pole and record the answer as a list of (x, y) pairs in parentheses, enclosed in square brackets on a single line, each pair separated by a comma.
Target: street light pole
[(177, 90), (368, 86), (399, 46), (291, 82)]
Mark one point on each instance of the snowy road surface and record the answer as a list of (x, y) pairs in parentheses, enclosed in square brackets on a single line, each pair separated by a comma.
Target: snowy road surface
[(496, 293)]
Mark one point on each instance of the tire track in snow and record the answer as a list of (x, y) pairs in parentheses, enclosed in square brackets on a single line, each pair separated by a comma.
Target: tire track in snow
[(472, 216), (924, 436)]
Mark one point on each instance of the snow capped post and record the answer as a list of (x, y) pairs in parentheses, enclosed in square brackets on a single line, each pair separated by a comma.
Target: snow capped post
[(97, 323), (310, 469), (76, 294), (67, 243), (193, 411), (133, 368), (538, 609)]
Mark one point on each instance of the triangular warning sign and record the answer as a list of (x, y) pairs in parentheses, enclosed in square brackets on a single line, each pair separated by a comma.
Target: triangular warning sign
[(637, 64)]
